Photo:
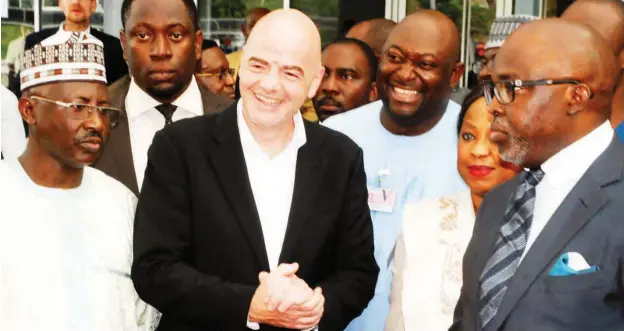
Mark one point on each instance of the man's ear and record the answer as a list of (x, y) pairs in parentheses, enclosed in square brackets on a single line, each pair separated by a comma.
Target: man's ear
[(316, 82), (122, 40), (199, 39), (457, 73), (373, 95), (26, 109), (577, 97)]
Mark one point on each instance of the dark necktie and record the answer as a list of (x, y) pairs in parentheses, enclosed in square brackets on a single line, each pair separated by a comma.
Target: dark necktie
[(167, 109), (511, 242)]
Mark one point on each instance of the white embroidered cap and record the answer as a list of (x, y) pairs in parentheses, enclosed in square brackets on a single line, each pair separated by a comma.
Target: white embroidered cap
[(79, 58), (503, 27)]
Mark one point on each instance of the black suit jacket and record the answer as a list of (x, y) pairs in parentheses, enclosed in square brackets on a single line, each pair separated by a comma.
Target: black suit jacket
[(588, 221), (198, 242), (113, 53), (116, 159)]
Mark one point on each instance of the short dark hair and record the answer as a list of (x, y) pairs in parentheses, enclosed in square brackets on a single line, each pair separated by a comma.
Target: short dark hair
[(190, 5), (369, 53), (208, 43), (476, 93)]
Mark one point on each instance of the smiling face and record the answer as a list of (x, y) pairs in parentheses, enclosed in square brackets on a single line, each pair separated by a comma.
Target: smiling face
[(417, 70), (478, 160), (161, 46), (280, 69)]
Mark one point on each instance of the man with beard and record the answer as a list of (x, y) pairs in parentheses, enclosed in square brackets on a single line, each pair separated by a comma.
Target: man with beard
[(409, 137), (65, 228), (546, 251), (162, 44), (77, 19), (349, 81), (606, 17)]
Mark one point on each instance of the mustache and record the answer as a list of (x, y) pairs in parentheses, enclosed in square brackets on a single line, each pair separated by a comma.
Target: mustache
[(76, 7), (329, 101), (91, 134)]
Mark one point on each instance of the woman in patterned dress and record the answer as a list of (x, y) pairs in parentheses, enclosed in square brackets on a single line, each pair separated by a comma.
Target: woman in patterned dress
[(428, 256)]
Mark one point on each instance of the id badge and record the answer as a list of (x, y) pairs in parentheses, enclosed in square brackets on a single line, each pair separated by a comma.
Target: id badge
[(381, 199)]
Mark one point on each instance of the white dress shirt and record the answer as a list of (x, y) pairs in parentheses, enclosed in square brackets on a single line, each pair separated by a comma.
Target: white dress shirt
[(12, 135), (144, 120), (561, 173), (64, 267), (272, 182)]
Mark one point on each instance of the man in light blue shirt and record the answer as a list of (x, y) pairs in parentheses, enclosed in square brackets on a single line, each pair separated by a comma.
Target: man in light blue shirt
[(409, 137)]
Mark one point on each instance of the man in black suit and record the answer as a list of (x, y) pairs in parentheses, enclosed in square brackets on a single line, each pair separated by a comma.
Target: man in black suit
[(254, 218), (162, 46), (547, 248), (77, 19)]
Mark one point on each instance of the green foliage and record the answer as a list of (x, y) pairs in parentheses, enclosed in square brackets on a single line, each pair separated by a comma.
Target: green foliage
[(322, 8), (481, 16), (237, 9), (11, 32)]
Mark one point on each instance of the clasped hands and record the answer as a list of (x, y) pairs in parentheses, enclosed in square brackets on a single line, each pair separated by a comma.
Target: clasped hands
[(284, 300)]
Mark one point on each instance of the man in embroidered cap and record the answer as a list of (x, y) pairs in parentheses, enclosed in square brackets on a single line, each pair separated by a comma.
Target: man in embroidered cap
[(66, 229), (499, 31)]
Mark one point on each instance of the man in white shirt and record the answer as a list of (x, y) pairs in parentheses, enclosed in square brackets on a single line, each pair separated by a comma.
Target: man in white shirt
[(254, 219), (546, 251), (162, 43), (12, 135), (65, 228)]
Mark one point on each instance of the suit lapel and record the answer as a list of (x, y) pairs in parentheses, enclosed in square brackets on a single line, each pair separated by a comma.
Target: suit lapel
[(583, 202), (229, 163), (120, 140), (308, 175)]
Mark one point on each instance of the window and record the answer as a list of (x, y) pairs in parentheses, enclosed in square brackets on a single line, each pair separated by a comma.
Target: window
[(15, 28), (324, 13), (221, 20)]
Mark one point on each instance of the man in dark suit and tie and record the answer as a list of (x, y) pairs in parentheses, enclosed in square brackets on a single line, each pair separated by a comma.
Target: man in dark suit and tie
[(253, 219), (547, 251), (77, 18), (162, 42)]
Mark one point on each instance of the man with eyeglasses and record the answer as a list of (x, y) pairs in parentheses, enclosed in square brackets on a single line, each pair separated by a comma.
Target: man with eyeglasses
[(546, 251), (213, 72), (65, 228)]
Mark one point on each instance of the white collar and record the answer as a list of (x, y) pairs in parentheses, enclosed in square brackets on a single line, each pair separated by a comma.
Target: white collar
[(573, 161), (138, 101), (62, 29), (247, 140)]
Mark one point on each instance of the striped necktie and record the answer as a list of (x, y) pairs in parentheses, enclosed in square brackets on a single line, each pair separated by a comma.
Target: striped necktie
[(510, 245)]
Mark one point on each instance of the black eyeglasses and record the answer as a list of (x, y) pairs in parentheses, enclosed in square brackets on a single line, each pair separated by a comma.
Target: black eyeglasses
[(222, 73), (79, 111), (504, 91)]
